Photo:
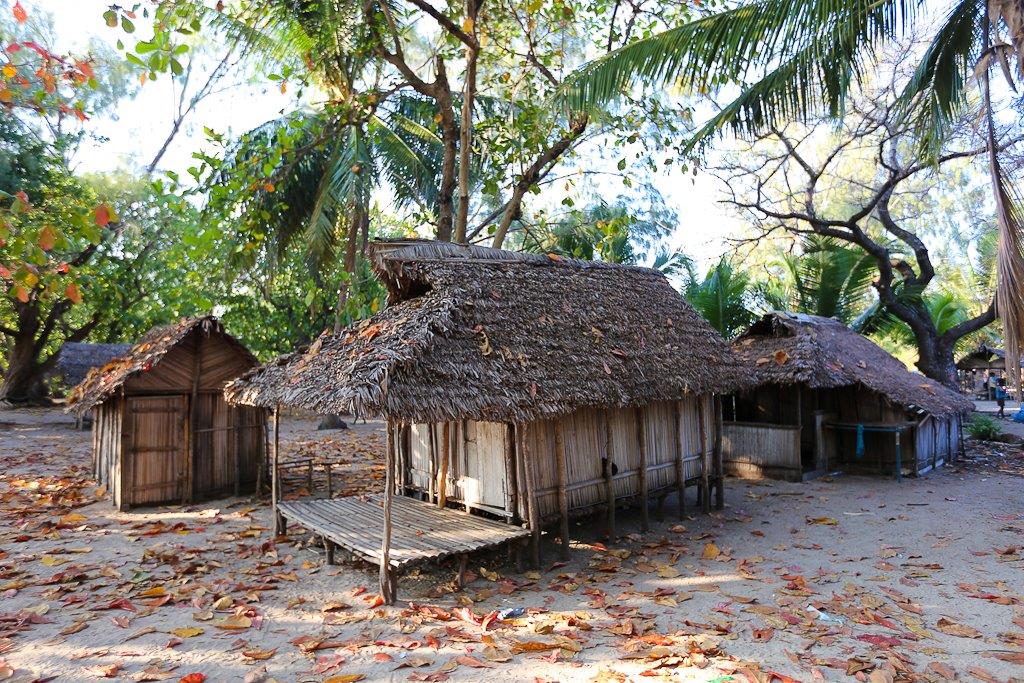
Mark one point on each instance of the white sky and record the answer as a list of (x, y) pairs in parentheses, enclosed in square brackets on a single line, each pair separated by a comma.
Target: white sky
[(142, 124)]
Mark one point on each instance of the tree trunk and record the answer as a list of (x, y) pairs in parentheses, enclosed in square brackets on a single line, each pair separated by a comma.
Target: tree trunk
[(935, 358), (24, 376)]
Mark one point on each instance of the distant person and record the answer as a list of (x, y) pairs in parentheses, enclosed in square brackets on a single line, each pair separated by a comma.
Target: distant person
[(1001, 396), (993, 384)]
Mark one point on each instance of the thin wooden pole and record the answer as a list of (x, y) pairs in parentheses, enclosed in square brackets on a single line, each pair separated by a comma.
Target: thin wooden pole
[(609, 478), (680, 465), (262, 464), (641, 437), (705, 461), (442, 475), (511, 489), (432, 448), (387, 584), (719, 468), (563, 493), (275, 475), (531, 493)]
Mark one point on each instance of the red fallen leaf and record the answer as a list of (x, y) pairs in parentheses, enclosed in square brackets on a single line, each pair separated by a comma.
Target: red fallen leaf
[(375, 601), (20, 15), (192, 678), (473, 662), (159, 602), (328, 663), (880, 641), (173, 642), (383, 657), (762, 635), (119, 603), (434, 677), (776, 676), (983, 674), (1008, 656)]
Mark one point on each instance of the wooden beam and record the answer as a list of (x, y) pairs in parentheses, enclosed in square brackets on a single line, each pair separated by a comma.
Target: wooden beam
[(719, 467), (275, 475), (563, 493), (432, 452), (609, 483), (680, 465), (193, 410), (705, 461), (387, 583), (442, 474), (529, 470), (511, 489), (641, 437)]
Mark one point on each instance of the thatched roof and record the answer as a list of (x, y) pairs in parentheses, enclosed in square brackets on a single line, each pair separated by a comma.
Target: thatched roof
[(984, 357), (103, 382), (477, 333), (262, 386), (75, 359), (787, 348)]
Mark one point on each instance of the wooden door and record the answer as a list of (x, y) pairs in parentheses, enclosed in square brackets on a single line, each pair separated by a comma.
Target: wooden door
[(483, 473), (157, 442)]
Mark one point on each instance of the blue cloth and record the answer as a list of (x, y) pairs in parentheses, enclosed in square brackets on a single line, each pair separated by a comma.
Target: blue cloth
[(1019, 415), (860, 441), (1001, 394)]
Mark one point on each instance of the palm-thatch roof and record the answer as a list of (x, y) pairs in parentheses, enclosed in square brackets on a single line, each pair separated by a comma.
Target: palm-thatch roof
[(76, 359), (103, 382), (262, 386), (984, 357), (787, 348), (485, 334)]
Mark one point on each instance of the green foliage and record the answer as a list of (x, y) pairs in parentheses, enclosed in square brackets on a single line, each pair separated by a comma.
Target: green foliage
[(825, 278), (722, 297), (983, 427)]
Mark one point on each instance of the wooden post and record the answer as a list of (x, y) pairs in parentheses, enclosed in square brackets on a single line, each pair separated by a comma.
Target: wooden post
[(705, 475), (563, 493), (309, 477), (232, 440), (275, 475), (511, 488), (261, 475), (609, 477), (329, 470), (719, 468), (387, 584), (432, 451), (641, 436), (532, 510), (680, 465), (193, 410), (442, 474)]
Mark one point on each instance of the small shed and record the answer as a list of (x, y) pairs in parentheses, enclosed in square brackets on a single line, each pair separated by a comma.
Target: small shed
[(76, 359), (826, 398), (975, 369), (162, 431), (519, 388)]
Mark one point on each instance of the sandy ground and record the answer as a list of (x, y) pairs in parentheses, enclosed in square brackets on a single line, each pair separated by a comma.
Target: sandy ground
[(845, 579)]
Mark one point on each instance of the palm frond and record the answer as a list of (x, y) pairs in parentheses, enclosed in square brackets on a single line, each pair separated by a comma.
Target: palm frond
[(938, 91), (728, 46)]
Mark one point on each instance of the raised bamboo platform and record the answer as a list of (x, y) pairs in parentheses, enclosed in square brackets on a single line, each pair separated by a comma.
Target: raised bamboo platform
[(421, 531)]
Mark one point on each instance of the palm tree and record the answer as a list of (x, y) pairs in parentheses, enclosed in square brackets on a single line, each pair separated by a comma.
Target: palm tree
[(797, 58), (721, 297), (827, 279)]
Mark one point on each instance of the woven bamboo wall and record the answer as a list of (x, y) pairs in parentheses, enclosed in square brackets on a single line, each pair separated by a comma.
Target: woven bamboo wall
[(751, 450), (477, 473)]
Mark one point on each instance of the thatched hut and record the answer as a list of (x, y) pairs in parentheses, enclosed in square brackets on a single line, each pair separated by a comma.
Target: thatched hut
[(76, 359), (162, 431), (826, 398), (519, 387), (977, 367)]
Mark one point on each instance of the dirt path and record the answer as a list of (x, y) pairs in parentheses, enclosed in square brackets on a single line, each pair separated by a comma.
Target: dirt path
[(917, 581)]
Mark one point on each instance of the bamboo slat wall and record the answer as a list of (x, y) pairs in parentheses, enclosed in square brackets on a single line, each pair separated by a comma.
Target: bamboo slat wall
[(477, 475), (753, 450)]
